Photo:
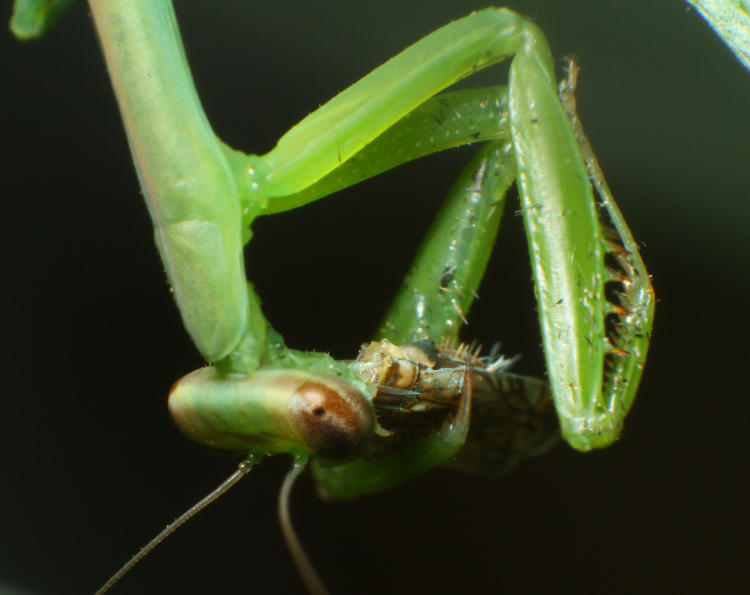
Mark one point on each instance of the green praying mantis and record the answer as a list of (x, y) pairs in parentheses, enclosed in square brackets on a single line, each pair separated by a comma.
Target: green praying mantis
[(412, 399)]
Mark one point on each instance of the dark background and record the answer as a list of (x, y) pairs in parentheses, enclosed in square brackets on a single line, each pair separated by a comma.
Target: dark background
[(91, 466)]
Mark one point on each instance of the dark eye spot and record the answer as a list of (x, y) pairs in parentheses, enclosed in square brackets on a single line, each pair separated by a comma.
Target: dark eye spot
[(333, 418)]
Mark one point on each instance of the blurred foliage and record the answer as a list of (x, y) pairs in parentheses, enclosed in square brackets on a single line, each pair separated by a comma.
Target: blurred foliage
[(731, 20), (33, 18)]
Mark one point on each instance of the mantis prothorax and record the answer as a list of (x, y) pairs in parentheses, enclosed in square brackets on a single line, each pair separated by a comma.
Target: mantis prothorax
[(257, 396)]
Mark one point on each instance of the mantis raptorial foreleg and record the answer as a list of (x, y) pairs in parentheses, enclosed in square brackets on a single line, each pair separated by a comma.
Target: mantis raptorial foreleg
[(566, 237), (594, 295), (445, 275)]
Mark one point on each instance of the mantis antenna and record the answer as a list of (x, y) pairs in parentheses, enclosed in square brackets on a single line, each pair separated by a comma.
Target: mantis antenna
[(305, 568), (242, 469)]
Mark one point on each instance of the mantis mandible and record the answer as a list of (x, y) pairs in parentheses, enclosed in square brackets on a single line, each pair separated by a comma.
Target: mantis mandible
[(260, 397)]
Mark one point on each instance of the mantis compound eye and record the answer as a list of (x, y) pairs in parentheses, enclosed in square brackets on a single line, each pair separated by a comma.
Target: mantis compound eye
[(274, 411), (334, 419)]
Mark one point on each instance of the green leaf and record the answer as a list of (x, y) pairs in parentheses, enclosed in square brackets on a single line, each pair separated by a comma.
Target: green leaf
[(33, 18)]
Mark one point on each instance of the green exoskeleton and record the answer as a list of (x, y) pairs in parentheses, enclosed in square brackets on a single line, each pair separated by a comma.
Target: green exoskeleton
[(415, 397)]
